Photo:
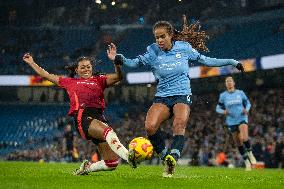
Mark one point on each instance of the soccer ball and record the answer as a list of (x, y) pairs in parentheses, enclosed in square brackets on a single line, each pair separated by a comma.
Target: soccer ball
[(142, 147)]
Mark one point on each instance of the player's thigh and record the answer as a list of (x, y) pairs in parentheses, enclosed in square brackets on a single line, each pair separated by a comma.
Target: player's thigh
[(106, 152), (181, 116), (236, 138), (157, 113), (96, 129), (181, 113), (243, 128)]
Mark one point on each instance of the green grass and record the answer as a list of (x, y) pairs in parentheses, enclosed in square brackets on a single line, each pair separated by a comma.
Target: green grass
[(56, 175)]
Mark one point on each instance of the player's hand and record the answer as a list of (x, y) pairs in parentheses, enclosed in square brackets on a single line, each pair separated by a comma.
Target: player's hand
[(226, 112), (111, 51), (245, 111), (118, 60), (28, 58), (240, 67)]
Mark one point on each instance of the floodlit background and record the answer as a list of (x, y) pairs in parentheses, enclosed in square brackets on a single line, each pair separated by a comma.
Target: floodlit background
[(33, 112)]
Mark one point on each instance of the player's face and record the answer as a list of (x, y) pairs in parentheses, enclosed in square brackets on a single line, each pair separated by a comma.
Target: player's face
[(163, 38), (230, 83), (85, 69)]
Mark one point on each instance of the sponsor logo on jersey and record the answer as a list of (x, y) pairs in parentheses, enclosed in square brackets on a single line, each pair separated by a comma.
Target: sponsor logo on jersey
[(233, 102), (169, 66), (87, 83), (178, 55)]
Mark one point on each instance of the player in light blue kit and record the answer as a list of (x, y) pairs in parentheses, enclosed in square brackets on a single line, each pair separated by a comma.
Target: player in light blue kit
[(235, 105), (168, 59)]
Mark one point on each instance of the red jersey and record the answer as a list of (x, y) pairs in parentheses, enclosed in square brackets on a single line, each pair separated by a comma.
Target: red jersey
[(84, 92)]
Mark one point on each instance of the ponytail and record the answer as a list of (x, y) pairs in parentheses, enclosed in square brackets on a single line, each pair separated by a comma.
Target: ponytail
[(190, 33)]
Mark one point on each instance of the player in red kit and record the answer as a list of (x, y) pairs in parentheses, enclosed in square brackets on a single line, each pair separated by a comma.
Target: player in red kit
[(87, 105)]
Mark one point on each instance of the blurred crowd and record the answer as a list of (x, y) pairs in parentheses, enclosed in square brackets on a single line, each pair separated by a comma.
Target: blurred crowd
[(44, 30), (96, 13), (208, 141)]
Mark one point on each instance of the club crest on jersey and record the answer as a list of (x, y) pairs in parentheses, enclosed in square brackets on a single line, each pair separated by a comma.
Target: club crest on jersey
[(178, 55)]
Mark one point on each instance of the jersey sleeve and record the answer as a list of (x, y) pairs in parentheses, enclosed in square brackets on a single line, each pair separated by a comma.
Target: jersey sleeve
[(193, 54), (133, 63), (221, 105), (141, 60), (246, 102), (102, 80), (214, 62), (145, 59), (64, 82)]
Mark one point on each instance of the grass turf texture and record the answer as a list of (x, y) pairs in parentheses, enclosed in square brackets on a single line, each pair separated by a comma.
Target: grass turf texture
[(57, 175)]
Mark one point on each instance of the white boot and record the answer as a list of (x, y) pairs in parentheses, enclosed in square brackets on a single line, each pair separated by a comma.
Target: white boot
[(248, 165), (83, 168), (251, 158)]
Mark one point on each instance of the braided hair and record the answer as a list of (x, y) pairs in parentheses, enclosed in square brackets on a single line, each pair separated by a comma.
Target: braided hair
[(190, 33)]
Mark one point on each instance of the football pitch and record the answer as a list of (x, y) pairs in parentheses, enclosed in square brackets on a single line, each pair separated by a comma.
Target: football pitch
[(58, 175)]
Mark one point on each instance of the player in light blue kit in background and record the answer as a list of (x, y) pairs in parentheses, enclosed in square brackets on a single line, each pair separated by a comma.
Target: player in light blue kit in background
[(235, 105), (168, 59)]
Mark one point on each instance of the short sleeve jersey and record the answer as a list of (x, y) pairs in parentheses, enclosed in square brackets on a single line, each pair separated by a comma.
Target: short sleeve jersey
[(234, 102), (84, 92), (170, 68)]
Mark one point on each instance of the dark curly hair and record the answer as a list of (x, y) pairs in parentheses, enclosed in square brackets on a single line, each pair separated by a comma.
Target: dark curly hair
[(190, 33), (72, 67)]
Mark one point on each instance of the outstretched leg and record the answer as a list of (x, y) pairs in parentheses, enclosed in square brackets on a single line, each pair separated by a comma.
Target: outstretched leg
[(181, 116), (157, 113), (109, 160), (102, 131)]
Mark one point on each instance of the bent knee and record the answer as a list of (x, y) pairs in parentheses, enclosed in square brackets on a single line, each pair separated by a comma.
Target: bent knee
[(151, 128)]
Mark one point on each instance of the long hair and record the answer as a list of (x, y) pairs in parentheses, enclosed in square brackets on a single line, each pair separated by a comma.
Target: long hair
[(72, 67), (190, 33)]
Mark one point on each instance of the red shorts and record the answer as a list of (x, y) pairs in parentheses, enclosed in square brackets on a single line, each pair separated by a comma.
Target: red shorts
[(83, 119)]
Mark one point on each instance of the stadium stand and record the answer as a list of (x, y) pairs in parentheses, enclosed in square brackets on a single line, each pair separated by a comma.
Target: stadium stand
[(58, 35), (54, 46), (42, 125)]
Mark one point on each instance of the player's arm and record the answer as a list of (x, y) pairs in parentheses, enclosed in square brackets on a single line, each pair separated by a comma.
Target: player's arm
[(220, 108), (194, 55), (214, 62), (40, 71), (115, 77), (246, 103), (120, 59), (117, 61), (133, 63)]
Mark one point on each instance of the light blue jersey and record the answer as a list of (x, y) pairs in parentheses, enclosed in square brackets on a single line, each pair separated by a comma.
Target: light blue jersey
[(234, 102), (171, 68)]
